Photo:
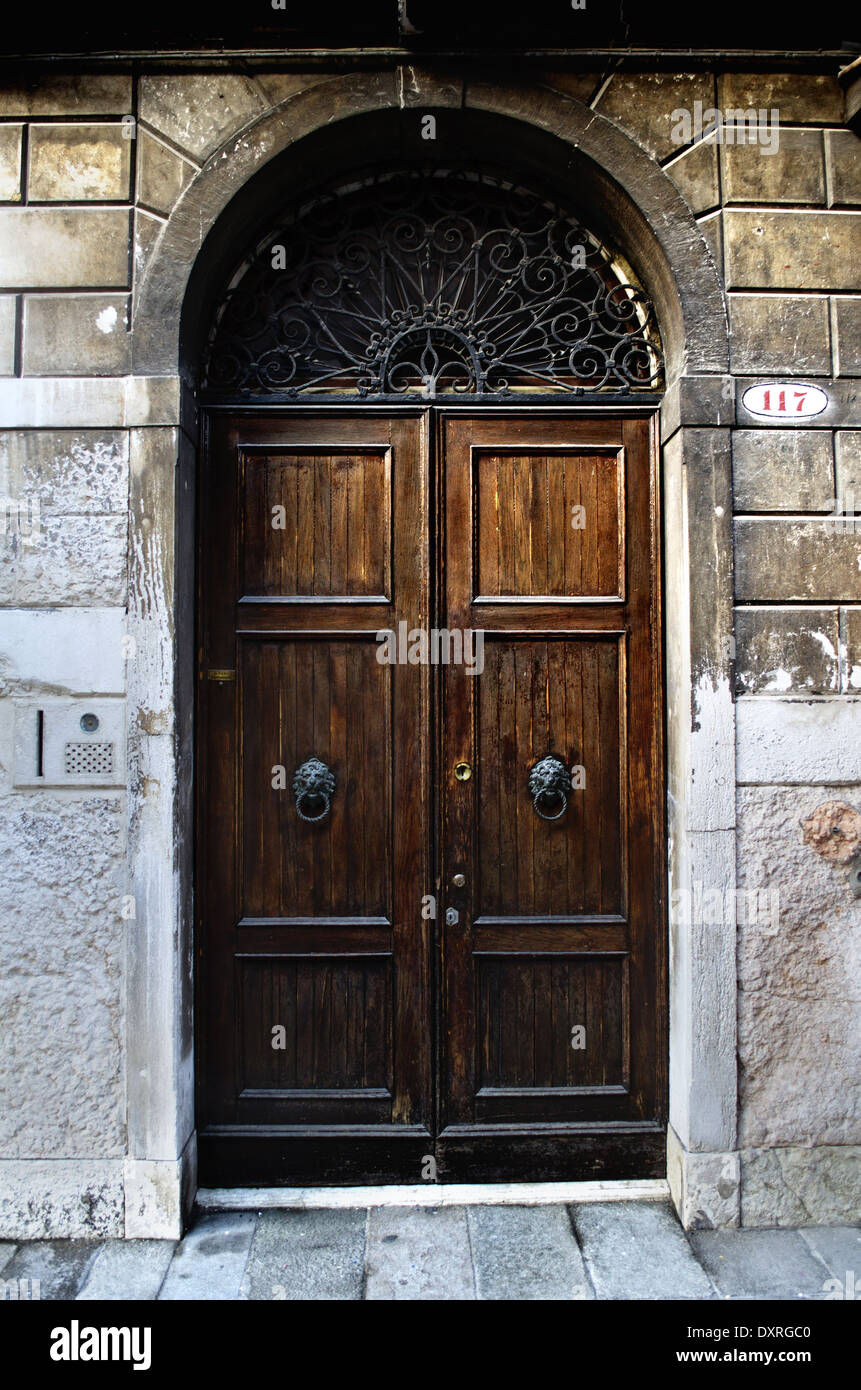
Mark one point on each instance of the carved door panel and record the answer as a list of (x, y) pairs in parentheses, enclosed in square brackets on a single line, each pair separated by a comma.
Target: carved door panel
[(315, 1056), (553, 1020)]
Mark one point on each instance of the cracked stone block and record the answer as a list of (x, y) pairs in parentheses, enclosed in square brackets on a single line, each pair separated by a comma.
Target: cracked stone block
[(127, 1271), (782, 560), (210, 1262), (147, 231), (704, 1186), (759, 1264), (782, 470), (801, 98), (307, 1255), (68, 470), (799, 1047), (419, 1253), (10, 163), (526, 1253), (90, 94), (847, 313), (712, 230), (77, 163), (779, 333), (786, 651), (76, 335), (162, 174), (643, 103), (56, 248), (76, 560), (800, 1186), (792, 250), (637, 1250), (8, 316), (847, 456), (281, 86), (852, 638), (198, 111), (580, 85), (61, 996), (794, 173), (695, 175), (844, 150), (60, 1199), (60, 1267)]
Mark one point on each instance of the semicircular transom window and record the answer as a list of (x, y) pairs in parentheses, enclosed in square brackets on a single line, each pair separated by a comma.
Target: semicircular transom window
[(428, 284)]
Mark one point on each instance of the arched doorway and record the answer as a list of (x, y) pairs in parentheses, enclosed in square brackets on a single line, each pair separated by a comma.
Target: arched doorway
[(430, 771)]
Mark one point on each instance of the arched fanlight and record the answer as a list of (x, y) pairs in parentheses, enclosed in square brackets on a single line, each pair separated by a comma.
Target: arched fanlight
[(431, 284)]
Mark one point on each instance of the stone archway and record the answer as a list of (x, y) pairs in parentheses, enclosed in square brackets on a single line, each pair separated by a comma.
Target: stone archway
[(621, 187)]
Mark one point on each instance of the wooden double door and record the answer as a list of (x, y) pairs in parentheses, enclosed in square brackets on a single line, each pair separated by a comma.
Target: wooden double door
[(417, 958)]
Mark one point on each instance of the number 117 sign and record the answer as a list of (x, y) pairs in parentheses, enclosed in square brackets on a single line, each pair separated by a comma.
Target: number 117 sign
[(784, 400)]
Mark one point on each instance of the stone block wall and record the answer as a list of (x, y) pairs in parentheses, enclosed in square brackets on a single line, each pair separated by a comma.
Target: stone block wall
[(91, 167), (786, 233)]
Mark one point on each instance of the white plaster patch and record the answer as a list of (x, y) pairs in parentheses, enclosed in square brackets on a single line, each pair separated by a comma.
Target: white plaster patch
[(713, 808), (71, 651), (801, 742), (779, 680), (106, 321)]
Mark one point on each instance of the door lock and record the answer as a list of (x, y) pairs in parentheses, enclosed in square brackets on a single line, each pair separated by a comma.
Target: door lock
[(452, 916), (462, 772), (459, 880)]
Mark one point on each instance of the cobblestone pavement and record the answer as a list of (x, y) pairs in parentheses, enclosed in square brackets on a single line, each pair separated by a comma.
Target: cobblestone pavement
[(603, 1250)]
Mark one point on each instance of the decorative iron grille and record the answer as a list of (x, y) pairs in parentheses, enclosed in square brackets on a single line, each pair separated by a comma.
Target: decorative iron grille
[(431, 283)]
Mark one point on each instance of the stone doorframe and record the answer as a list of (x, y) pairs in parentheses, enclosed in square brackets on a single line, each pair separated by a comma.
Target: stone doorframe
[(620, 187)]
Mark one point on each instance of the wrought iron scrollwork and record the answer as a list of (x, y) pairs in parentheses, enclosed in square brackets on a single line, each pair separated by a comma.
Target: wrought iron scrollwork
[(549, 786), (313, 788), (429, 283)]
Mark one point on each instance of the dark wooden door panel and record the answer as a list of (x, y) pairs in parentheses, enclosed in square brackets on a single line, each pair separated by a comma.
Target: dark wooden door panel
[(325, 1053), (553, 969), (316, 960), (331, 699), (317, 523), (560, 696), (548, 524)]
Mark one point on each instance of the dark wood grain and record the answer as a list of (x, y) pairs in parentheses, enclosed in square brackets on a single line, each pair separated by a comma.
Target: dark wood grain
[(406, 1036)]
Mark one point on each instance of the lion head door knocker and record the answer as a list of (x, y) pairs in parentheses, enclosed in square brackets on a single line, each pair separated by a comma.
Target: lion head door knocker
[(549, 787), (313, 788)]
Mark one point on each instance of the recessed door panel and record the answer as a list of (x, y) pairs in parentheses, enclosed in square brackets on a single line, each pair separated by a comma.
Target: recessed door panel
[(330, 699), (552, 845), (313, 799), (557, 696), (316, 524), (549, 523)]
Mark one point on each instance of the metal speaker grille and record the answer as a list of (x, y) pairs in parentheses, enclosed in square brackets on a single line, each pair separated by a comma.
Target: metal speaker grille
[(95, 758)]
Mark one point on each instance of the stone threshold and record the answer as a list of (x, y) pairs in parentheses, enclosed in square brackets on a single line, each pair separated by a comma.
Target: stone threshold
[(522, 1194)]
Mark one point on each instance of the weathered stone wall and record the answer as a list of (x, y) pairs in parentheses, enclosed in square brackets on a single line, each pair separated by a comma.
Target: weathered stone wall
[(89, 608)]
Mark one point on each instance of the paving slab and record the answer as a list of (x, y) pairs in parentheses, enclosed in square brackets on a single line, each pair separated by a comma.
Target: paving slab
[(526, 1254), (210, 1261), (419, 1253), (760, 1264), (638, 1252), (838, 1247), (61, 1266), (131, 1270), (307, 1255)]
